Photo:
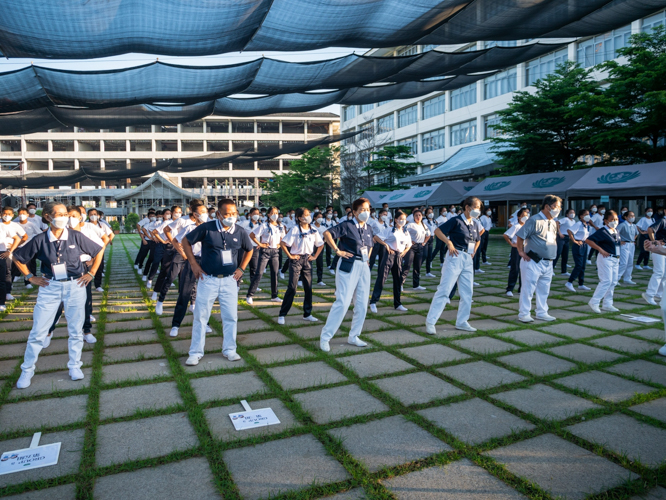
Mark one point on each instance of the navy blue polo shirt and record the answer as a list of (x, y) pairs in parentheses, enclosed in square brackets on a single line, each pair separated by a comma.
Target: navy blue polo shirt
[(606, 240), (460, 234), (659, 229), (352, 237), (67, 250), (214, 239)]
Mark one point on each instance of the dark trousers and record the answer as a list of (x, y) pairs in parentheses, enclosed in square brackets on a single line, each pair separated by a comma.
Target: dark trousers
[(168, 274), (591, 253), (143, 252), (579, 254), (334, 262), (377, 250), (413, 261), (268, 256), (3, 285), (389, 263), (427, 255), (157, 255), (514, 272), (328, 256), (252, 265), (440, 248), (283, 266), (643, 255), (151, 257), (320, 267), (562, 252), (299, 270), (187, 292), (98, 274), (9, 276), (483, 246)]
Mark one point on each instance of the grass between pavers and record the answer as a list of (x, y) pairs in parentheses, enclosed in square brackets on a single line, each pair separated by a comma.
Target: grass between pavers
[(361, 477)]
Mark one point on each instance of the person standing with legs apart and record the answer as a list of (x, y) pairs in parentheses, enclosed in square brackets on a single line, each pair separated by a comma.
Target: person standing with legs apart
[(11, 229), (352, 279), (267, 236), (161, 245), (249, 225), (607, 243), (414, 257), (514, 259), (145, 239), (218, 277), (657, 248), (378, 226), (31, 229), (628, 233), (537, 245), (302, 245), (643, 226), (597, 222), (64, 279), (563, 226), (440, 247), (656, 232), (396, 241), (428, 254), (578, 233), (486, 221), (172, 261), (462, 236), (321, 229)]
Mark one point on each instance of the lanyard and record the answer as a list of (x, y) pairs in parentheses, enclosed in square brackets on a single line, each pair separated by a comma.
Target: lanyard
[(469, 228), (222, 231)]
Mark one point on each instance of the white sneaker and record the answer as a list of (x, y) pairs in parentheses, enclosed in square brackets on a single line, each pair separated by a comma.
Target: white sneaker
[(430, 275), (662, 352), (144, 278), (373, 308), (47, 341), (149, 284), (356, 341), (99, 289), (281, 275), (525, 319), (24, 380), (546, 317), (310, 318), (418, 288), (9, 296), (648, 299), (594, 307), (173, 332), (402, 289), (486, 263), (172, 285), (638, 267), (280, 320), (321, 283), (465, 327), (476, 284), (300, 283), (569, 286), (16, 278), (159, 308), (249, 300), (589, 261), (332, 271), (629, 282), (209, 329), (29, 286), (192, 360), (76, 374), (431, 329), (191, 308), (232, 356), (3, 308), (509, 293), (401, 308), (153, 296), (647, 267), (565, 274), (611, 309), (584, 288), (89, 338), (324, 346), (259, 289), (276, 299), (136, 266), (479, 271), (92, 319)]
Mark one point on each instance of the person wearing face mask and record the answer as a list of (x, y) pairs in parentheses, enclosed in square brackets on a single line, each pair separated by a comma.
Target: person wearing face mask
[(252, 222), (578, 233), (563, 226), (429, 222), (597, 222), (94, 218), (319, 225), (172, 261), (420, 234), (377, 226), (452, 212), (396, 242), (328, 223), (440, 247), (302, 245), (537, 245), (9, 241), (335, 217), (655, 288), (219, 277), (643, 226), (161, 246), (267, 236), (607, 242), (64, 279), (628, 234), (11, 229), (148, 230), (486, 221), (352, 279), (34, 218), (32, 229), (514, 216), (462, 236), (623, 213), (514, 260), (145, 246)]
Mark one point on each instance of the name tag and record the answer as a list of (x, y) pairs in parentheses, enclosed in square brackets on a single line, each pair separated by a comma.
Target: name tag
[(59, 271), (364, 254), (470, 247), (226, 257), (617, 250)]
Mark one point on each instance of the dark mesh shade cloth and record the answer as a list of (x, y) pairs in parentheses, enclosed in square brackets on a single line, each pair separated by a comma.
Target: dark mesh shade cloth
[(78, 29)]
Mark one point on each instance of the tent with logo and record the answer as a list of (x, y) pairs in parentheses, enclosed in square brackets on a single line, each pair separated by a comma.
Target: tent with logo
[(450, 193), (446, 193), (628, 181), (375, 197)]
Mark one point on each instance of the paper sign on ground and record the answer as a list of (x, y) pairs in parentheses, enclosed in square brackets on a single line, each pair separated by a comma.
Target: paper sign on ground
[(640, 319), (29, 458), (254, 418)]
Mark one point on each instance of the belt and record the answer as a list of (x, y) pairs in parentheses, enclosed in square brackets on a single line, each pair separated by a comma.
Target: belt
[(71, 278), (222, 276)]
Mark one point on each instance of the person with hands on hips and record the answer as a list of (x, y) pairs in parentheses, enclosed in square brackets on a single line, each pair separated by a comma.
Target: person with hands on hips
[(578, 233), (352, 279), (64, 279), (606, 241), (218, 277), (267, 236), (462, 236), (9, 241), (657, 248)]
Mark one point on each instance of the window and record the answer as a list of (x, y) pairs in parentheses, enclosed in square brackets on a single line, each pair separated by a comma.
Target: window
[(463, 133), (544, 66), (381, 103), (500, 83), (293, 127), (434, 107), (649, 23), (192, 127), (407, 116), (366, 107), (242, 127), (385, 124), (463, 96), (348, 113), (268, 127), (408, 51), (411, 142), (433, 140), (503, 43), (217, 127), (488, 123), (602, 47)]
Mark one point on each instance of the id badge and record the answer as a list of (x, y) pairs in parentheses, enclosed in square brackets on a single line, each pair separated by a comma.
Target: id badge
[(59, 271), (226, 257), (364, 254), (617, 250), (470, 247)]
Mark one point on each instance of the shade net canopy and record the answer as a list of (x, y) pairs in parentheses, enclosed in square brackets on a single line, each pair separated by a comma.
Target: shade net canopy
[(80, 29)]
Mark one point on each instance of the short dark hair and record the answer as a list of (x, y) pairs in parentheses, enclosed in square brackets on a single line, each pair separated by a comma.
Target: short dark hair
[(31, 205), (7, 207), (359, 203), (582, 212), (225, 201), (23, 209), (71, 208), (550, 199), (194, 204), (174, 207), (609, 214), (92, 210), (398, 213), (521, 211), (470, 201), (300, 211)]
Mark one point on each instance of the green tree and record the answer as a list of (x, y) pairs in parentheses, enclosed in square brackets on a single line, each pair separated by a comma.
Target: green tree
[(130, 222), (539, 131), (311, 180), (390, 165)]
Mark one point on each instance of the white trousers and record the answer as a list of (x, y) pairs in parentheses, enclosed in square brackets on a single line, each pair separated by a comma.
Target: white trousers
[(626, 261), (458, 268), (535, 277), (354, 284), (607, 269), (49, 298), (225, 290), (656, 284)]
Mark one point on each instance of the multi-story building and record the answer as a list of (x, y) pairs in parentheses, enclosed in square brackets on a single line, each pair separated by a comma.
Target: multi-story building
[(439, 125)]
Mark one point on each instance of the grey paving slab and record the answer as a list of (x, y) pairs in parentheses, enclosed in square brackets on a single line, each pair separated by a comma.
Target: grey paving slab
[(113, 339), (409, 319), (461, 480), (475, 421), (268, 355), (545, 402), (584, 353), (626, 344), (126, 401), (434, 354), (282, 466), (227, 386), (604, 386), (69, 460), (568, 314), (304, 375), (485, 345), (375, 363), (489, 325), (657, 493), (607, 324), (145, 438), (655, 409), (59, 362), (353, 494), (211, 362), (537, 363), (560, 467), (481, 374), (136, 371), (260, 338), (8, 366), (13, 350), (627, 436), (50, 412), (222, 428), (492, 311), (213, 345), (191, 478), (337, 403), (642, 370), (52, 383), (571, 330), (134, 352), (388, 442), (656, 334), (312, 332), (530, 337), (417, 388), (395, 337), (252, 325), (64, 492)]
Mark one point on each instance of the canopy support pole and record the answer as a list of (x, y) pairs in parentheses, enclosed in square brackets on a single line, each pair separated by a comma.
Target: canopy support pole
[(507, 213)]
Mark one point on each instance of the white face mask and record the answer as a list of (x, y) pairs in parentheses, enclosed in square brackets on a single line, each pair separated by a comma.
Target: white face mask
[(274, 217), (7, 218), (593, 210), (524, 218), (453, 212), (554, 212), (319, 220), (229, 221), (307, 219), (430, 216), (152, 219), (176, 216), (60, 222), (167, 217), (648, 214), (160, 219), (443, 214), (329, 216), (523, 206), (23, 217), (255, 217), (631, 219), (203, 217), (612, 224), (571, 215), (74, 222), (602, 212), (401, 222), (32, 211), (489, 213), (586, 218), (291, 216), (363, 216), (384, 218), (335, 215), (474, 213), (94, 218), (279, 219)]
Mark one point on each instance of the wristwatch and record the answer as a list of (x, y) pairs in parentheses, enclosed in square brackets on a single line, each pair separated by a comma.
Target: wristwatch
[(28, 276), (91, 274)]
